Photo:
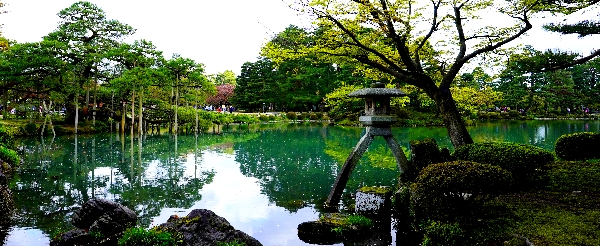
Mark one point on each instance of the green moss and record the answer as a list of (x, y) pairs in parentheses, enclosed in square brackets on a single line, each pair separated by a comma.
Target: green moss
[(235, 242), (156, 236), (565, 212), (342, 220), (375, 189)]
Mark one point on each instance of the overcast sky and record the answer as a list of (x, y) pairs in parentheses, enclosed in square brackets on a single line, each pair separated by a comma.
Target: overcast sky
[(221, 34)]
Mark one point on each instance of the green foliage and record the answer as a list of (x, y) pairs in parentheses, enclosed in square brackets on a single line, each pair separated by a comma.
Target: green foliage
[(263, 118), (525, 162), (137, 236), (10, 156), (6, 138), (443, 234), (304, 116), (235, 242), (452, 191), (30, 129), (359, 220), (291, 115), (424, 152), (578, 146), (343, 107)]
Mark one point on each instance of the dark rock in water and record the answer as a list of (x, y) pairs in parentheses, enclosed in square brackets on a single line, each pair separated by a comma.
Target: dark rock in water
[(100, 222), (317, 232), (202, 227), (73, 237), (104, 216)]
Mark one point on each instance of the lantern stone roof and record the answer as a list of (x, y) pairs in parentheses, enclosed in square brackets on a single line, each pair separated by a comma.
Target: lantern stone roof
[(377, 92)]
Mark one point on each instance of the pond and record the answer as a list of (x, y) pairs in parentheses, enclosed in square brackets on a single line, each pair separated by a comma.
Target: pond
[(265, 180)]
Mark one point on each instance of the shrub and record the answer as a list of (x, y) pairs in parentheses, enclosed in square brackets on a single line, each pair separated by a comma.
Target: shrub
[(319, 115), (450, 191), (525, 162), (578, 146), (30, 129), (424, 152), (446, 234), (291, 116), (263, 118), (304, 116), (10, 156), (313, 116), (140, 237), (6, 138), (271, 117), (513, 114), (494, 115)]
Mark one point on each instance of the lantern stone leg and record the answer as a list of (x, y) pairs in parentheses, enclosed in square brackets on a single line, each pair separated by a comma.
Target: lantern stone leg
[(344, 175)]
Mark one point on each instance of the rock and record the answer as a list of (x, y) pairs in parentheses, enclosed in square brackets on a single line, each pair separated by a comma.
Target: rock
[(104, 216), (202, 227), (99, 222), (72, 237)]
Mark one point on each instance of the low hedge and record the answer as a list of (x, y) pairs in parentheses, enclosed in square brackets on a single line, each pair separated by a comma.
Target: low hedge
[(525, 162), (578, 146), (449, 191)]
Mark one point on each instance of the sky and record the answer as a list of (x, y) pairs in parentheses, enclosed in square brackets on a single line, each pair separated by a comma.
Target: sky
[(221, 34)]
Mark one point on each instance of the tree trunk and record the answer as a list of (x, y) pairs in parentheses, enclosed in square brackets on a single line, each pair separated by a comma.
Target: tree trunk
[(457, 130), (95, 105), (76, 111), (140, 128), (176, 105), (132, 112), (123, 112)]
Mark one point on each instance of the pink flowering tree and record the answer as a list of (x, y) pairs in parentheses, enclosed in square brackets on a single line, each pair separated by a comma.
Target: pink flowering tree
[(224, 93)]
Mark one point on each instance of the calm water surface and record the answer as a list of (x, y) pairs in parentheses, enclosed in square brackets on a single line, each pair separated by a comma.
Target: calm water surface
[(264, 180)]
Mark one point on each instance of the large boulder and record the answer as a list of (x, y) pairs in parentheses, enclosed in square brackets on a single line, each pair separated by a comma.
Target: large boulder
[(202, 227), (104, 216), (99, 222)]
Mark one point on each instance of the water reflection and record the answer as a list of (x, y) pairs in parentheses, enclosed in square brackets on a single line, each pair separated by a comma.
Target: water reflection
[(264, 181)]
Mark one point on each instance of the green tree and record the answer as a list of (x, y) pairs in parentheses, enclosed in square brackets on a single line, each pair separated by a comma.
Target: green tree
[(140, 61), (254, 85), (88, 35), (184, 73), (396, 38), (227, 77)]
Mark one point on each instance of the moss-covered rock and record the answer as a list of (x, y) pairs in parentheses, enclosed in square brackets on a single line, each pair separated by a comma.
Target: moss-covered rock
[(578, 146)]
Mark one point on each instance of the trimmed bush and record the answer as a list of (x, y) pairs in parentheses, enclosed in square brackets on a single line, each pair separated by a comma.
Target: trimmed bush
[(451, 191), (304, 116), (525, 162), (291, 115), (424, 152), (319, 115), (578, 146), (313, 116)]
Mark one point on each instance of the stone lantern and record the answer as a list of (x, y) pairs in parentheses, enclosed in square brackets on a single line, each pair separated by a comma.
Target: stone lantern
[(378, 121)]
